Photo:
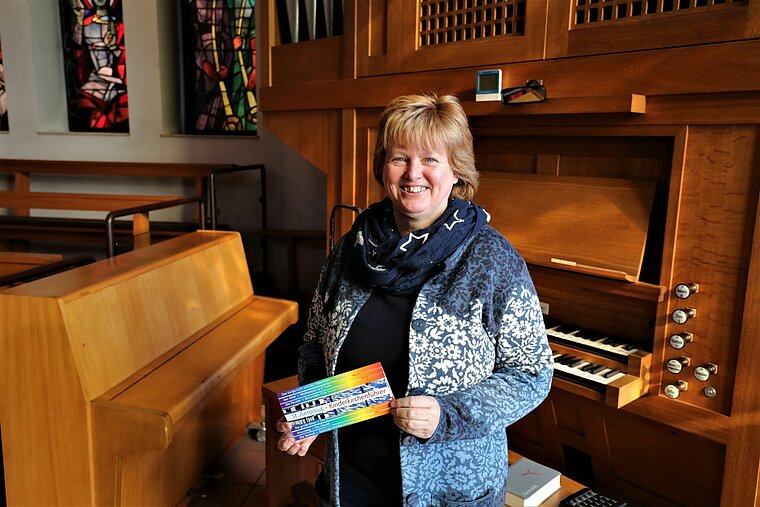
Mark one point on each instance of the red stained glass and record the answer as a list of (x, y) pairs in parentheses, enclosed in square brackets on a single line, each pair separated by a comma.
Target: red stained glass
[(95, 63)]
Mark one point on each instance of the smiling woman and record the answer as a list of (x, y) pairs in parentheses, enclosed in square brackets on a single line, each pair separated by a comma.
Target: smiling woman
[(423, 285)]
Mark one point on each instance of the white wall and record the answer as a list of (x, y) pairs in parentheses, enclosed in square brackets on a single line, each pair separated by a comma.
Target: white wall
[(32, 49)]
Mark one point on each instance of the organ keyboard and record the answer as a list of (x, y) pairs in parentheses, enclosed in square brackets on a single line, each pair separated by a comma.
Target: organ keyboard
[(603, 344), (594, 375), (598, 365)]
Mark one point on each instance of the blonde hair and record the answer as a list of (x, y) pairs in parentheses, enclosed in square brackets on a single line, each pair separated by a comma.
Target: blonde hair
[(429, 121)]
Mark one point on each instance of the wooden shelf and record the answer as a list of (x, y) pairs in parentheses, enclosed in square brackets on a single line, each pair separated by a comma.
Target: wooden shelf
[(615, 104)]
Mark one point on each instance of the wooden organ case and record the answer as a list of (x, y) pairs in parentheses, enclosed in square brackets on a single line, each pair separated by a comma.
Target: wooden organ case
[(643, 436), (632, 192)]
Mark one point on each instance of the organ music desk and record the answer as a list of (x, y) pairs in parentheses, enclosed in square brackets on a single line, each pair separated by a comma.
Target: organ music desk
[(122, 380)]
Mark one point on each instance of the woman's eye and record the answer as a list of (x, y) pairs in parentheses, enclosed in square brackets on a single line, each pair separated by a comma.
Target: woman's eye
[(398, 160)]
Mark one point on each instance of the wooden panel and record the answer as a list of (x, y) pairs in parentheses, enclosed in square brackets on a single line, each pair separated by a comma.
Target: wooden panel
[(611, 306), (356, 183), (22, 183), (223, 351), (13, 262), (153, 478), (633, 104), (92, 306), (618, 154), (661, 464), (113, 308), (717, 206), (742, 464), (595, 226), (32, 456), (729, 68), (372, 37), (315, 60), (315, 135), (597, 28)]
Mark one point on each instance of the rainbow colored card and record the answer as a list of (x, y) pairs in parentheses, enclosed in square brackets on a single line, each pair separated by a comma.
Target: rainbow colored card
[(337, 401)]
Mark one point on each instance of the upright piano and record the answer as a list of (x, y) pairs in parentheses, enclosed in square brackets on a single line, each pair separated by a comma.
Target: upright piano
[(123, 380)]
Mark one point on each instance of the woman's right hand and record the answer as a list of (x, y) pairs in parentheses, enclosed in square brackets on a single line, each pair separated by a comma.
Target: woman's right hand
[(288, 443)]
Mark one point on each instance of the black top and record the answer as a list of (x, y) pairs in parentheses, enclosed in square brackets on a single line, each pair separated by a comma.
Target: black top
[(370, 470)]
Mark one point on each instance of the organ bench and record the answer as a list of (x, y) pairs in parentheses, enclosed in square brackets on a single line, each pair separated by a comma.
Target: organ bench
[(124, 379)]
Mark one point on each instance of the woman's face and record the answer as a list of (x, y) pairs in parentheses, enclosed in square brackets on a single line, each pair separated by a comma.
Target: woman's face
[(418, 182)]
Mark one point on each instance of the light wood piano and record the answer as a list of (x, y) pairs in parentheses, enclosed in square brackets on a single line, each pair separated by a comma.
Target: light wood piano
[(124, 379)]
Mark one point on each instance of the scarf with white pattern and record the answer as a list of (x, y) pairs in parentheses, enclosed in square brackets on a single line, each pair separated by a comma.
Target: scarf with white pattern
[(401, 264)]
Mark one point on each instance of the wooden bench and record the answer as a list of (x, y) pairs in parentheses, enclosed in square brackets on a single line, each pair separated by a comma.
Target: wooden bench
[(22, 197), (134, 373)]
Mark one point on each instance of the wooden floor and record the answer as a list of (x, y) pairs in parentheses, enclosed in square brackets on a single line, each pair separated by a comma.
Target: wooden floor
[(243, 481)]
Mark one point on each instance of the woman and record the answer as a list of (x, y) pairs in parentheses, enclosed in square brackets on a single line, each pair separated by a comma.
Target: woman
[(422, 284)]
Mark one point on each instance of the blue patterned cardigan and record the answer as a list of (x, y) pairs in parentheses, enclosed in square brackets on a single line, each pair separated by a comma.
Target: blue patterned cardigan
[(477, 343)]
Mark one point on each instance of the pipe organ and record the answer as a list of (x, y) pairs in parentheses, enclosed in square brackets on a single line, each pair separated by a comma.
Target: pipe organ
[(632, 193)]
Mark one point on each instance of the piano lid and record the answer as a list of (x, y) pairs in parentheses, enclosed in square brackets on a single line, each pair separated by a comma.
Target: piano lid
[(589, 225)]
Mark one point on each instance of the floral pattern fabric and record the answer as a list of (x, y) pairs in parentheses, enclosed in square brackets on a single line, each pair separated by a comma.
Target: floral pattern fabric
[(476, 342)]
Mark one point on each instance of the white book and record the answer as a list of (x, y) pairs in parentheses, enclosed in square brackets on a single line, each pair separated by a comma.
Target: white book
[(530, 483)]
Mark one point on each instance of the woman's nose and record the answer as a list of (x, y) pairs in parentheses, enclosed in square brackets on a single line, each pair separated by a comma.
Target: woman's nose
[(413, 169)]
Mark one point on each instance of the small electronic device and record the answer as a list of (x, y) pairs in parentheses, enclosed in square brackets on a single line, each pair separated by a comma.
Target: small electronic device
[(488, 85), (590, 498), (533, 91)]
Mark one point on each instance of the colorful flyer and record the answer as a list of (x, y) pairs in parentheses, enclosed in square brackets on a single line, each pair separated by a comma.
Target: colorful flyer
[(337, 401)]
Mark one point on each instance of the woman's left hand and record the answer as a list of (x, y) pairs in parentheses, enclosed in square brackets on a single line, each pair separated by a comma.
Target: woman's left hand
[(417, 415)]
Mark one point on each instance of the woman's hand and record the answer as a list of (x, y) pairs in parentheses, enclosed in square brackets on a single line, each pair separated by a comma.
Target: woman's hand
[(417, 415), (289, 444)]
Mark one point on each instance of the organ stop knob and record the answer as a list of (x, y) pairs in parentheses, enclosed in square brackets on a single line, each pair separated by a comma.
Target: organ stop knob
[(702, 373), (681, 315), (677, 364), (679, 340), (684, 290), (672, 391)]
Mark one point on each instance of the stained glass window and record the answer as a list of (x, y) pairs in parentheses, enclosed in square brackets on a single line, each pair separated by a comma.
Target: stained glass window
[(95, 65), (219, 55), (3, 96)]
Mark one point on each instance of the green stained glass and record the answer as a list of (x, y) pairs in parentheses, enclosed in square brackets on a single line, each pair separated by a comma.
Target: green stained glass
[(219, 55)]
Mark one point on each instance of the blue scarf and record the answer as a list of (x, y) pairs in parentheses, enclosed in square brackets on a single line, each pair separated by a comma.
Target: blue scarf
[(398, 264)]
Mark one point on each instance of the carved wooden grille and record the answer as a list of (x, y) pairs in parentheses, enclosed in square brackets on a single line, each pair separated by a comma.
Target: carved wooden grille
[(594, 12), (443, 21)]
